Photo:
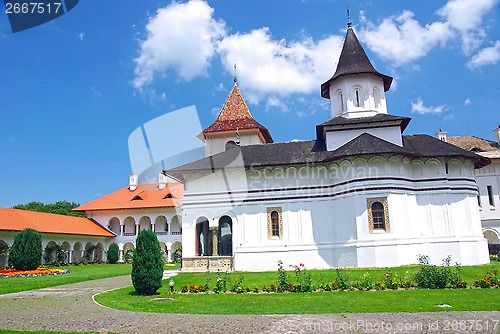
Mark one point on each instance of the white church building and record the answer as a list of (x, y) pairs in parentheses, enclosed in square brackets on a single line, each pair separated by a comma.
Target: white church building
[(361, 194)]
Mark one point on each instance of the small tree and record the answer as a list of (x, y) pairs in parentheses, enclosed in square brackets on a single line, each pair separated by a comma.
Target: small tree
[(26, 250), (147, 264), (112, 254)]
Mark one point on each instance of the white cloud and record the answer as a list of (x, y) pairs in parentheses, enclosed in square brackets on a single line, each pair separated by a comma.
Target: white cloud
[(402, 39), (273, 102), (180, 37), (465, 16), (279, 67), (81, 36), (419, 108), (486, 56), (467, 101)]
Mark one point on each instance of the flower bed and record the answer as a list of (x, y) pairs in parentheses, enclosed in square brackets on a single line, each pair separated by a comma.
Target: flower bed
[(4, 273)]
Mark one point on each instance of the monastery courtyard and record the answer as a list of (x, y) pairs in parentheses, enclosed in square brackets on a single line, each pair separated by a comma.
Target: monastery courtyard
[(71, 308)]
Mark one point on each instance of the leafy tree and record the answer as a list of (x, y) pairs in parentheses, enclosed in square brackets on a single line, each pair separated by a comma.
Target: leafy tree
[(26, 251), (113, 253), (60, 208), (147, 264)]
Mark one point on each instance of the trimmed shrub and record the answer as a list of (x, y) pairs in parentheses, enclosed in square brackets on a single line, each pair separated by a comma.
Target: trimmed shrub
[(147, 264), (26, 250), (112, 254)]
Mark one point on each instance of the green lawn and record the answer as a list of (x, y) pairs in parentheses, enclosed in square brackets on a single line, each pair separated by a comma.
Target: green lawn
[(306, 303), (77, 274), (415, 300)]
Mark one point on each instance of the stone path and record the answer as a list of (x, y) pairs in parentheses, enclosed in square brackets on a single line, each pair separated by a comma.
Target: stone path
[(71, 308)]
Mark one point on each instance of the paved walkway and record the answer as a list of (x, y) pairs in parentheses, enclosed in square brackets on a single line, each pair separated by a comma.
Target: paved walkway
[(71, 308)]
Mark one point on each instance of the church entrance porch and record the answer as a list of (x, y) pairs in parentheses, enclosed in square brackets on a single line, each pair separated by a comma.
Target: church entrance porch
[(213, 246)]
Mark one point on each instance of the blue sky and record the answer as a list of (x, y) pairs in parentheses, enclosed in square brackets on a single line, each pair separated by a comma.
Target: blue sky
[(72, 90)]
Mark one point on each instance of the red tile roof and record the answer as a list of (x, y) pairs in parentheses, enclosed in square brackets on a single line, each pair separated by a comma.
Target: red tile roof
[(18, 220), (236, 115), (145, 196)]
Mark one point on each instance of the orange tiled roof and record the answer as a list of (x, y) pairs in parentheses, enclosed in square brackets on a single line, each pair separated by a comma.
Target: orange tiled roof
[(236, 115), (145, 196), (18, 220)]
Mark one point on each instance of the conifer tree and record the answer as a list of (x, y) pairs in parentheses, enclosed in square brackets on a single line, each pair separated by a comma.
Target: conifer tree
[(147, 264), (26, 250), (112, 255)]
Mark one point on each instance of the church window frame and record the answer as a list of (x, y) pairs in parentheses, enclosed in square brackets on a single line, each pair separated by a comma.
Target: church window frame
[(275, 223), (357, 96), (378, 214), (340, 99)]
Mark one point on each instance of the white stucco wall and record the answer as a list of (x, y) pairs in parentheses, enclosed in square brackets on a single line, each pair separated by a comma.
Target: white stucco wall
[(371, 95), (335, 139), (217, 144), (325, 219)]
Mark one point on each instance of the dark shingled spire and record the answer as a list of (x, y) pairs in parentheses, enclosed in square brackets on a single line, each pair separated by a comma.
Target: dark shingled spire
[(353, 60)]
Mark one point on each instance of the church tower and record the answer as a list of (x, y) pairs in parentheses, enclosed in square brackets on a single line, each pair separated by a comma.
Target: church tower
[(234, 126), (356, 89)]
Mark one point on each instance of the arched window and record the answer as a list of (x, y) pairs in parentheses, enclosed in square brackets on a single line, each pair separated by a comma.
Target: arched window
[(225, 236), (340, 100), (356, 102), (376, 98), (378, 216), (230, 144), (275, 224), (203, 238)]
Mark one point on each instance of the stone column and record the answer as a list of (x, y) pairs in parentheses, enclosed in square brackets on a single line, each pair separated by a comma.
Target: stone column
[(70, 256), (120, 255), (153, 227), (169, 228), (136, 229), (122, 227), (169, 254), (215, 231)]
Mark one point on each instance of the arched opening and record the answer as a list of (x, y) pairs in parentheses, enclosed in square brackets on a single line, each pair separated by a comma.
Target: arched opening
[(50, 252), (128, 252), (161, 225), (145, 223), (357, 101), (164, 251), (225, 236), (65, 247), (176, 225), (88, 254), (114, 225), (203, 237), (493, 243), (98, 253), (176, 251), (4, 254), (230, 144), (129, 226), (77, 252)]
